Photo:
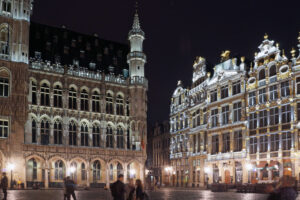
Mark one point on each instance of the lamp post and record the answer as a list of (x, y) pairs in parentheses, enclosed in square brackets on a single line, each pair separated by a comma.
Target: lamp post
[(10, 168)]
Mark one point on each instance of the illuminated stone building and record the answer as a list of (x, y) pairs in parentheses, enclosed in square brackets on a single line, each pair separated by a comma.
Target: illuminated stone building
[(70, 104), (239, 125)]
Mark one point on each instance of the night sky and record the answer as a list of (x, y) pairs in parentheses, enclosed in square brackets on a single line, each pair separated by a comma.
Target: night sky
[(177, 31)]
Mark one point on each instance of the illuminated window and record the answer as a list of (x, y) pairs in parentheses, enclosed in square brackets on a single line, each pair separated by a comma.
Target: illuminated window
[(96, 170), (59, 170), (4, 38), (4, 128)]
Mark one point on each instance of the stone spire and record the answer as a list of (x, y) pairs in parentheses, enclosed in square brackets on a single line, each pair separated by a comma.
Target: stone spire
[(136, 27)]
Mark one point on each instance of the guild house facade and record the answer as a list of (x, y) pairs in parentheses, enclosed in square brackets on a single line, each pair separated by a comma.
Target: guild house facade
[(239, 125), (70, 104)]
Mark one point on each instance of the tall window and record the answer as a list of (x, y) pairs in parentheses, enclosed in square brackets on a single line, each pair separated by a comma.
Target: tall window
[(298, 85), (33, 131), (45, 95), (285, 89), (224, 92), (225, 115), (252, 121), (96, 102), (286, 141), (298, 111), (45, 132), (120, 138), (96, 136), (72, 134), (4, 39), (213, 96), (273, 92), (84, 100), (252, 98), (73, 175), (214, 117), (204, 116), (109, 137), (262, 74), (237, 111), (262, 96), (6, 6), (120, 105), (272, 70), (236, 88), (238, 140), (111, 172), (57, 97), (226, 142), (72, 98), (57, 131), (59, 172), (83, 172), (263, 118), (253, 145), (33, 165), (84, 135), (4, 83), (96, 170), (33, 93), (263, 143), (3, 128), (274, 142), (109, 104), (215, 144), (286, 114), (119, 169), (274, 116)]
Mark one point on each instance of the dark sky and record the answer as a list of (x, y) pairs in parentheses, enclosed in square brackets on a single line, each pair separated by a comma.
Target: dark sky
[(177, 31)]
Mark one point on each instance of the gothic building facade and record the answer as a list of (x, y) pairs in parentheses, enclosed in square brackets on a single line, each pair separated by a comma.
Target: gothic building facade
[(70, 104), (239, 125)]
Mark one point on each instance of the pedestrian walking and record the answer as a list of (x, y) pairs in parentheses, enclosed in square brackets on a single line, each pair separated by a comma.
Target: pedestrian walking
[(118, 188), (4, 185), (70, 186), (130, 189), (140, 193), (65, 189)]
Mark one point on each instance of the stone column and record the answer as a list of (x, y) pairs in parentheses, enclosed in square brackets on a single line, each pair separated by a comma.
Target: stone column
[(88, 171), (125, 173), (202, 174), (38, 133), (51, 139), (107, 175)]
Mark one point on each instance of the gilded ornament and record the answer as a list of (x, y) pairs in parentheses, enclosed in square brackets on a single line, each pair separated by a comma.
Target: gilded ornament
[(266, 36), (225, 55), (293, 52)]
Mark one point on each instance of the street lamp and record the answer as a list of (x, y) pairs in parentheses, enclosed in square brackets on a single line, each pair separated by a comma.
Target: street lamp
[(10, 168), (132, 172)]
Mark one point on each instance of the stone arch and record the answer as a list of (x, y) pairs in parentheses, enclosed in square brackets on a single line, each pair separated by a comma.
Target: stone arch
[(84, 88), (84, 121), (45, 81), (96, 90), (73, 119), (110, 92), (73, 86), (58, 83), (96, 122)]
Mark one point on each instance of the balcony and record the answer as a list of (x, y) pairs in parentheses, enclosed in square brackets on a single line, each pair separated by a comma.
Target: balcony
[(136, 55), (226, 156)]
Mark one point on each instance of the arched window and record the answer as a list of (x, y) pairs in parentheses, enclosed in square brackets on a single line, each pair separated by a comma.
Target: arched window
[(33, 93), (109, 137), (72, 133), (119, 169), (73, 174), (83, 172), (109, 104), (262, 74), (72, 98), (57, 132), (96, 102), (4, 38), (111, 172), (120, 138), (96, 171), (32, 167), (272, 70), (45, 132), (4, 83), (33, 131), (59, 170), (96, 136), (84, 134), (45, 95), (57, 100), (120, 105), (84, 100)]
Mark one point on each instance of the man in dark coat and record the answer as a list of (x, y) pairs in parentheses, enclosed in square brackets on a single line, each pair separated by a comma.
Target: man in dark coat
[(4, 185), (118, 188)]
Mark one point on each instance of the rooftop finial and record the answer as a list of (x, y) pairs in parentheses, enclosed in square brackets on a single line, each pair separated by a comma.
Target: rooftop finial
[(136, 7), (266, 36), (299, 38), (293, 52)]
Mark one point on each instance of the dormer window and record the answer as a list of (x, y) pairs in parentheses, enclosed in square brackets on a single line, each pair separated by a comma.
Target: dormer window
[(272, 70), (262, 74)]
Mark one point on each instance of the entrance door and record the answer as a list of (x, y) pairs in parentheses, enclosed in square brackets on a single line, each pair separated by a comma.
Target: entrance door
[(227, 177), (238, 173)]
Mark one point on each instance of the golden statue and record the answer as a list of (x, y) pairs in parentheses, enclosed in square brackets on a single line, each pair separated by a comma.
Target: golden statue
[(225, 55), (266, 36)]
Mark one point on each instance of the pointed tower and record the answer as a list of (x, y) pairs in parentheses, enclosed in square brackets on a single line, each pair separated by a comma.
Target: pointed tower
[(136, 58)]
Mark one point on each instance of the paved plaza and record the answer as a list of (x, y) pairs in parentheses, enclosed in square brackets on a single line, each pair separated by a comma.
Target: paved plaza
[(161, 194)]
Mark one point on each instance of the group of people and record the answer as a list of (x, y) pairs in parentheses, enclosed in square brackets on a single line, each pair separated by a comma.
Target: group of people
[(130, 191), (285, 189)]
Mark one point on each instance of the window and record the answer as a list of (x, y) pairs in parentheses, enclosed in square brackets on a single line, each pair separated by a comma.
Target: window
[(274, 142), (4, 39), (45, 132), (214, 117), (298, 85), (252, 121), (226, 142), (73, 174), (285, 89), (286, 141), (213, 96), (83, 172), (127, 107), (272, 70), (45, 95), (96, 136), (262, 74), (204, 116), (119, 169), (215, 144), (33, 165), (58, 135), (84, 135), (57, 97), (236, 88), (298, 111), (4, 87), (274, 116), (273, 92), (263, 118), (72, 134), (225, 115), (96, 171), (59, 172), (120, 138), (96, 102), (238, 140), (33, 93), (3, 128), (72, 98), (84, 100), (286, 113), (6, 6), (120, 106), (111, 172), (109, 137), (33, 132), (252, 98), (224, 92), (237, 111), (263, 143), (109, 104), (262, 95), (253, 145)]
